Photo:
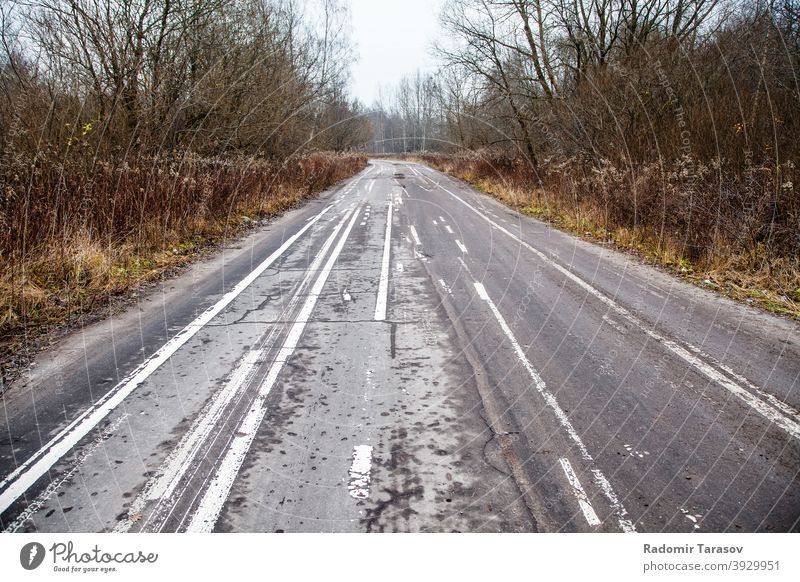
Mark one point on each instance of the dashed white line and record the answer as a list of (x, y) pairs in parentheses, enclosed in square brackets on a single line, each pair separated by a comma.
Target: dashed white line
[(462, 247), (448, 229), (360, 471), (790, 424), (625, 524), (580, 494)]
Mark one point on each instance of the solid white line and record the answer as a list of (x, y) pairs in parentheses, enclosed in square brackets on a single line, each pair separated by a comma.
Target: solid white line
[(383, 283), (54, 486), (414, 235), (210, 506), (625, 524), (177, 463), (360, 471), (24, 476), (162, 485), (580, 494), (789, 424), (462, 247), (779, 404)]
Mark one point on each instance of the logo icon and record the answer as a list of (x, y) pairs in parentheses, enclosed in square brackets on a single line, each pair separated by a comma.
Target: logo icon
[(31, 555)]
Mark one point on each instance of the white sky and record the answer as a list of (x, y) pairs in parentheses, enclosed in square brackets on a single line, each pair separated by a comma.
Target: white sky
[(393, 38)]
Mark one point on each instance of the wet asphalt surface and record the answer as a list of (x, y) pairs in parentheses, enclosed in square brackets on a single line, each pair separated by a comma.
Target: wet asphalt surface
[(519, 380)]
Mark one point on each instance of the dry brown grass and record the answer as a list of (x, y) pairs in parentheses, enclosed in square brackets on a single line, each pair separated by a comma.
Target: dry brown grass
[(72, 236), (733, 233)]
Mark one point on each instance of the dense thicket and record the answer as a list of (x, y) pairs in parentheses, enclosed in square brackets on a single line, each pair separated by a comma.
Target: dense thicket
[(117, 77), (133, 130), (676, 120)]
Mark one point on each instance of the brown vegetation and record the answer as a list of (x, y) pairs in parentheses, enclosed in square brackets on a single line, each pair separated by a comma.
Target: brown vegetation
[(71, 238), (135, 132), (667, 126), (750, 259)]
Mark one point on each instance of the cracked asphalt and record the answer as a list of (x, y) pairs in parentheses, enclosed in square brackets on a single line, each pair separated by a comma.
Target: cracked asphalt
[(407, 354)]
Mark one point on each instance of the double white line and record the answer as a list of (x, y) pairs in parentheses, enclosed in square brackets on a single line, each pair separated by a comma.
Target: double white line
[(25, 475), (208, 510)]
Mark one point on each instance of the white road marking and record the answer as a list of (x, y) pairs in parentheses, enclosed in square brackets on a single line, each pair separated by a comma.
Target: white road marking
[(625, 524), (435, 223), (445, 287), (440, 218), (400, 267), (210, 506), (462, 247), (371, 184), (614, 324), (775, 415), (779, 404), (25, 475), (448, 229), (414, 235), (383, 283), (580, 494), (163, 484), (360, 471), (54, 486)]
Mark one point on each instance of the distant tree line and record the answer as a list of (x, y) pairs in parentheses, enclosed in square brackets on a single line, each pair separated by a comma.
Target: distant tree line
[(620, 80), (669, 126)]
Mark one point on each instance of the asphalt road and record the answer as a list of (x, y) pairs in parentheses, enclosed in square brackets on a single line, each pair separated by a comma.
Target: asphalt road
[(406, 354)]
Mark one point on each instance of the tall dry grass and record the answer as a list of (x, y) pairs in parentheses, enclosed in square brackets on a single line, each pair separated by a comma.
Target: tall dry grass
[(730, 228), (75, 232)]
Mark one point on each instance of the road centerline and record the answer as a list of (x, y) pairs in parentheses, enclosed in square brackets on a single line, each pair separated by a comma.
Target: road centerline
[(383, 284)]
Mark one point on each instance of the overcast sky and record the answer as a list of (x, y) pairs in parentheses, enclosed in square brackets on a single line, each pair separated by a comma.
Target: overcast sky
[(393, 38)]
